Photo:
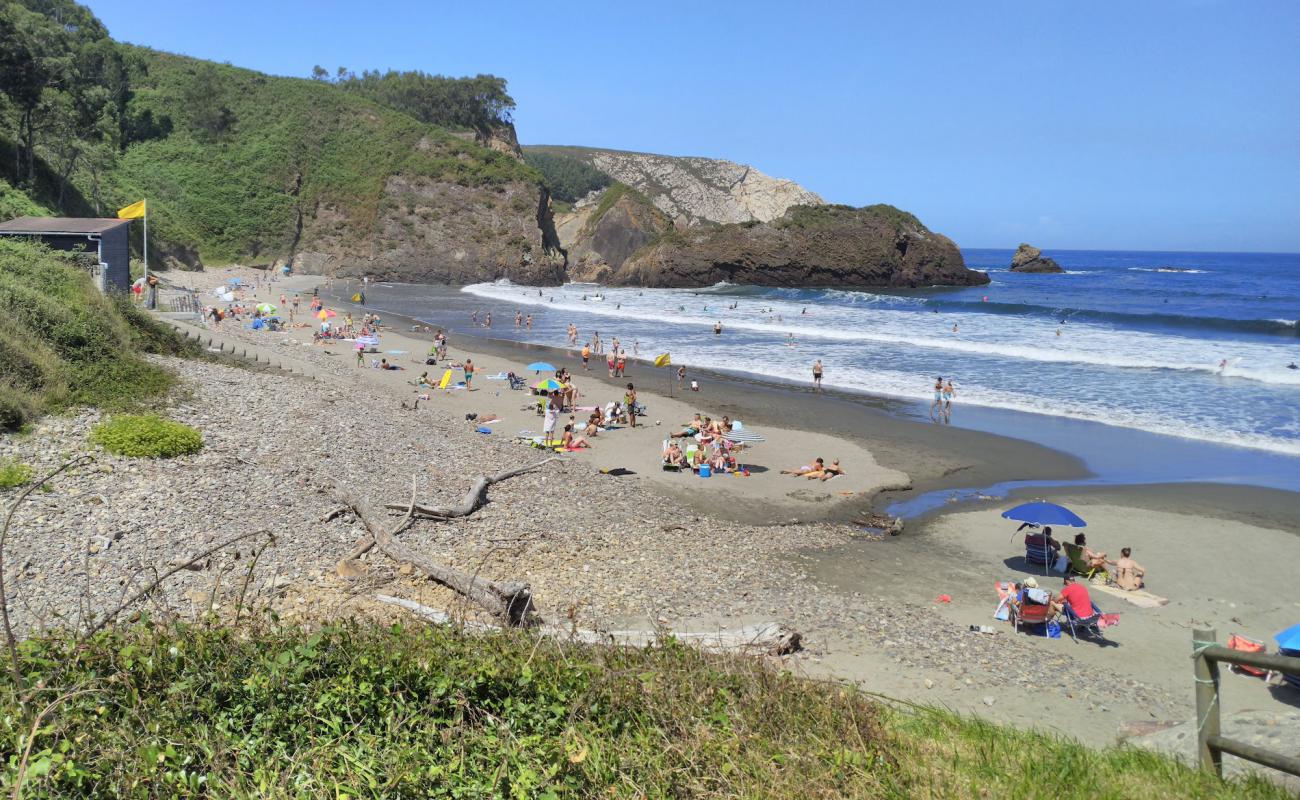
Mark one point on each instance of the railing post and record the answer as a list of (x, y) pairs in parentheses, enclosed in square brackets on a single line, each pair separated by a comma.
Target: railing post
[(1207, 701)]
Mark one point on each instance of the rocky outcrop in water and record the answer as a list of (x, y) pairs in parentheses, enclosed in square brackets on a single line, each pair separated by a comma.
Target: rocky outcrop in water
[(1030, 259), (840, 246), (694, 191)]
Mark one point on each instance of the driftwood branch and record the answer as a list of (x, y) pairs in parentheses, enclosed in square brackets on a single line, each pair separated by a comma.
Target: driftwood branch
[(511, 600), (475, 497), (156, 582), (768, 638), (10, 642), (471, 502)]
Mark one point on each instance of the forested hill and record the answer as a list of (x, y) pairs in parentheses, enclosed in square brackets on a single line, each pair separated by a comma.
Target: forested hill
[(360, 174)]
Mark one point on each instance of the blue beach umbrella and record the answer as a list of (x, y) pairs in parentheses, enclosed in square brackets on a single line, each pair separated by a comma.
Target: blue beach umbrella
[(541, 366), (1289, 639), (1041, 513)]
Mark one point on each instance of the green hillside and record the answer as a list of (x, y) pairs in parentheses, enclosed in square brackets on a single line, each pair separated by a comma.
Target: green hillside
[(231, 160)]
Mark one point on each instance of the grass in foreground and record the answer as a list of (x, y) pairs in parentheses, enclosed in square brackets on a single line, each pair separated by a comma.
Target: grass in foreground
[(359, 710)]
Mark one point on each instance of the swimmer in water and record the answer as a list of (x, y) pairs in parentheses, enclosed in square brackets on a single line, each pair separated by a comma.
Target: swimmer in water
[(954, 327), (1223, 365), (1292, 366)]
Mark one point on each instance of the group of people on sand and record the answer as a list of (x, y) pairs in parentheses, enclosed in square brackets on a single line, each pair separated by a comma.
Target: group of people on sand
[(1073, 595), (1122, 572), (817, 471), (711, 446), (576, 435), (942, 402)]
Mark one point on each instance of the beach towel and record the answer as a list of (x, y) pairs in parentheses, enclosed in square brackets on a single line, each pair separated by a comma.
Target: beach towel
[(446, 379), (1107, 621), (1245, 645), (1140, 598), (617, 472), (481, 429)]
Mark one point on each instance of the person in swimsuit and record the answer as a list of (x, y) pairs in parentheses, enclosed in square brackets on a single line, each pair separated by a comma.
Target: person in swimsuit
[(938, 398), (949, 392), (569, 441), (717, 328), (586, 355), (469, 375), (816, 468), (629, 402), (817, 374)]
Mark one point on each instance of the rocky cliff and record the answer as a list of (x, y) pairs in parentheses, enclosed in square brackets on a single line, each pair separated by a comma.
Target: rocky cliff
[(876, 246), (600, 236), (1030, 259), (694, 191)]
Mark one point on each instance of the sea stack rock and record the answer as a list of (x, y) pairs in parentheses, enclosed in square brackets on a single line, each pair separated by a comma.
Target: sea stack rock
[(1030, 259)]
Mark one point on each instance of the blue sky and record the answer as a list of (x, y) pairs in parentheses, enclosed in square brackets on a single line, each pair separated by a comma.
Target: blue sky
[(1127, 125)]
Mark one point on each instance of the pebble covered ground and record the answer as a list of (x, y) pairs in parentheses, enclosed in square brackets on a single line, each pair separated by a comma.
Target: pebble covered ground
[(597, 549)]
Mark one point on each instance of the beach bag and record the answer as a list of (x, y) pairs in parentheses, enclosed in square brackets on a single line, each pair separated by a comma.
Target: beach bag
[(1039, 596), (1062, 563), (1245, 645), (1053, 630)]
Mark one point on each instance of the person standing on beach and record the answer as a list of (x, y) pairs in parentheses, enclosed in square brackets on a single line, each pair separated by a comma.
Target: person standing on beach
[(519, 319), (629, 402), (361, 355), (362, 295), (528, 322), (937, 403), (817, 375), (552, 414), (949, 392), (469, 375), (487, 320), (610, 363), (586, 356)]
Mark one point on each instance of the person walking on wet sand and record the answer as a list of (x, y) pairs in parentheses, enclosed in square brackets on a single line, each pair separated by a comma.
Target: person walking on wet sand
[(817, 375), (681, 377), (586, 356), (949, 392), (937, 403), (469, 375)]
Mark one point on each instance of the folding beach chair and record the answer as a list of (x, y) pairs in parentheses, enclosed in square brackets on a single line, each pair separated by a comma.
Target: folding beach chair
[(1038, 551), (664, 456), (1089, 627), (1030, 614), (1079, 564)]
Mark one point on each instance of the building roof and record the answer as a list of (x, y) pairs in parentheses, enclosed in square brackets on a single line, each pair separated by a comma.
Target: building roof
[(36, 226)]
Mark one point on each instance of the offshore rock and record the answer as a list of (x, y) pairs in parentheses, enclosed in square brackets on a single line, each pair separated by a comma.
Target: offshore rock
[(808, 246), (1030, 259)]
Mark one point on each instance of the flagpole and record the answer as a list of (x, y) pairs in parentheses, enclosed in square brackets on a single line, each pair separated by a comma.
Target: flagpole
[(148, 297)]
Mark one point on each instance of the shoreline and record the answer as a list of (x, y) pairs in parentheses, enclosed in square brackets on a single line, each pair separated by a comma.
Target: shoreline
[(946, 462)]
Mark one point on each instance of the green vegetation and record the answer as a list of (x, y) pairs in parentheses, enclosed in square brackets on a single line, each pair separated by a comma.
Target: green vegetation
[(567, 178), (229, 158), (64, 344), (13, 473), (479, 103), (146, 436), (831, 215), (360, 710)]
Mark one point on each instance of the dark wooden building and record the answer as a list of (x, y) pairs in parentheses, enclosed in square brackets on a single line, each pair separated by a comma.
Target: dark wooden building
[(102, 243)]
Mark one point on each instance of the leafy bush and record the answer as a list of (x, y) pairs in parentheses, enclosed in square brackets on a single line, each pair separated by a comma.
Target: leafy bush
[(146, 436), (13, 473), (62, 343), (362, 710)]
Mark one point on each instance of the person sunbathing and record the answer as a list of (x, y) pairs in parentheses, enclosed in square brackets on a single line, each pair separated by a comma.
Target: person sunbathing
[(815, 468), (571, 442), (1128, 573), (826, 473), (674, 456), (1096, 560), (593, 426)]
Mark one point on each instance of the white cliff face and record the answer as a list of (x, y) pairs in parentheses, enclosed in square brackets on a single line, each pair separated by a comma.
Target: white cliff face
[(695, 190)]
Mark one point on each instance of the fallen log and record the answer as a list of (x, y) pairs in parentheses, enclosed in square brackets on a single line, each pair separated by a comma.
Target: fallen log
[(511, 600), (471, 502), (768, 638)]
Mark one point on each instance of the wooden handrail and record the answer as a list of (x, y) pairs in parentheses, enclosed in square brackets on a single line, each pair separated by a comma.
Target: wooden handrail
[(1210, 744)]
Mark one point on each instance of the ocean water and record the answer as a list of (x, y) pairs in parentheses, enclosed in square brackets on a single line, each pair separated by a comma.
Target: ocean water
[(1130, 339)]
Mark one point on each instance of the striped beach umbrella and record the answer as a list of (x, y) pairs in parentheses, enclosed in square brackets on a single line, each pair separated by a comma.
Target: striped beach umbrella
[(548, 385), (267, 309), (745, 436)]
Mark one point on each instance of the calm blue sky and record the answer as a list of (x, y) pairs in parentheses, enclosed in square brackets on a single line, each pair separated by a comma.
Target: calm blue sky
[(1142, 125)]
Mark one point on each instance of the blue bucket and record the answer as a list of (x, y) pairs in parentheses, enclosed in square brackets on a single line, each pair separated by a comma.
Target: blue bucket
[(706, 471)]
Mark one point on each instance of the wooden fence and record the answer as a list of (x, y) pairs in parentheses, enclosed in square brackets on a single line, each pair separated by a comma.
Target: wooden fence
[(1210, 744)]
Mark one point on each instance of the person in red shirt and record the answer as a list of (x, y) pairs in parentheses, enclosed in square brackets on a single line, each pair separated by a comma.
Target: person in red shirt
[(1076, 596)]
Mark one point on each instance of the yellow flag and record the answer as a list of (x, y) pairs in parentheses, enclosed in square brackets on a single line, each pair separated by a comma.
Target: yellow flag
[(663, 360), (133, 211), (356, 298)]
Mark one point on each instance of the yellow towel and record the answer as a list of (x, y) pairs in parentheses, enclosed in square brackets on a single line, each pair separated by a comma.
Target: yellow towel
[(446, 379)]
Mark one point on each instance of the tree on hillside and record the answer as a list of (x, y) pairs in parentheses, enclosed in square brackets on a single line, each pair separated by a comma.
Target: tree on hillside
[(204, 99), (480, 103)]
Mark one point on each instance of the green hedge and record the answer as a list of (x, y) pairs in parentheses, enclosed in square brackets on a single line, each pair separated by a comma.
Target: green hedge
[(146, 436)]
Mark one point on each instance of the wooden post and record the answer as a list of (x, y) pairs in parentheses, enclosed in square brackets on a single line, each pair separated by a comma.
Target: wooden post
[(1207, 702)]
